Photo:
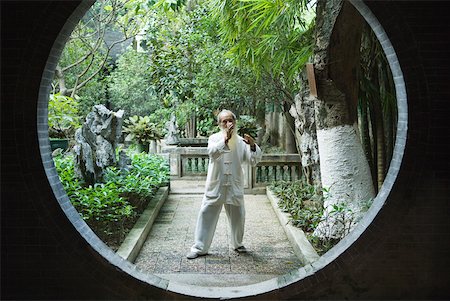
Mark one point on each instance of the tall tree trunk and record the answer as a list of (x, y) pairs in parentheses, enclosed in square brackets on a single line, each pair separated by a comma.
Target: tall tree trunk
[(274, 123), (379, 134), (364, 131), (381, 153), (305, 131), (388, 110), (191, 126), (375, 93), (281, 130), (61, 81), (272, 119), (291, 145), (344, 168)]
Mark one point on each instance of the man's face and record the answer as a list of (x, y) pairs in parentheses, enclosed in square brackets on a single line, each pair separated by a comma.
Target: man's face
[(226, 121)]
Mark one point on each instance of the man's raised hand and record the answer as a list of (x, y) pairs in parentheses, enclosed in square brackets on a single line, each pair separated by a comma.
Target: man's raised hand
[(249, 140)]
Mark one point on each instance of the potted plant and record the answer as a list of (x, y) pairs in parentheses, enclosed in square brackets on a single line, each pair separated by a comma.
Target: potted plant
[(142, 131), (63, 120)]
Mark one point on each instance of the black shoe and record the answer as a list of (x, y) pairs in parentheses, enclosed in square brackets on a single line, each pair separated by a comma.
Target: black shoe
[(241, 249)]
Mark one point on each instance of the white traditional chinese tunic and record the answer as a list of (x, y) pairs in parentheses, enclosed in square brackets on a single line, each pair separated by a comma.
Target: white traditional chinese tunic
[(225, 182)]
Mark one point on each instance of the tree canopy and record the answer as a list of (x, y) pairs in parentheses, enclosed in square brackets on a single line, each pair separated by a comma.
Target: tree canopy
[(155, 58), (274, 38)]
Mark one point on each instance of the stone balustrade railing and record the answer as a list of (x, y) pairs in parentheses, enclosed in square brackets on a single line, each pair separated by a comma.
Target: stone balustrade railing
[(276, 167), (192, 163)]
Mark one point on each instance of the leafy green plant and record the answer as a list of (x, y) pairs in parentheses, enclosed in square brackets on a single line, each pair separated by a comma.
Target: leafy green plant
[(308, 218), (248, 125), (141, 130), (304, 204), (206, 127), (147, 174), (100, 202), (302, 201), (111, 208), (160, 117), (64, 165), (63, 117), (341, 217), (272, 37), (321, 245)]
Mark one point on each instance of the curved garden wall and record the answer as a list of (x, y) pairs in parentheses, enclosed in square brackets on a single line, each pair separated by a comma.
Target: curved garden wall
[(403, 253)]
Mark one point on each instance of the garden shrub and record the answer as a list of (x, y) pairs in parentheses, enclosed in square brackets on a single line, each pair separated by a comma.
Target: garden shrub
[(111, 208), (63, 117), (304, 204), (302, 201)]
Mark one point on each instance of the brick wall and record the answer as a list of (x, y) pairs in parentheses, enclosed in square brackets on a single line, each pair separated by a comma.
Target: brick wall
[(403, 254)]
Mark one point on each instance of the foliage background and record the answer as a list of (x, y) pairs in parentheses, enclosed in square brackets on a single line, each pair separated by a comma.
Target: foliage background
[(181, 64)]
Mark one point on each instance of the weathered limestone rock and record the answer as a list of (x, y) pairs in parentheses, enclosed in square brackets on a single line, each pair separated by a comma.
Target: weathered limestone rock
[(96, 142)]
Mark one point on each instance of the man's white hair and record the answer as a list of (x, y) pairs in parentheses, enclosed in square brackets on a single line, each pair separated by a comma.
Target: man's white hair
[(224, 111)]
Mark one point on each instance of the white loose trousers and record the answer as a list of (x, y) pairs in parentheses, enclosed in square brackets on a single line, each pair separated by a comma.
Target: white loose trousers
[(207, 222), (224, 187)]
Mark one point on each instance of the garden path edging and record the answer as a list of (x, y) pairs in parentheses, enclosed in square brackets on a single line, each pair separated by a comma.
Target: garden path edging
[(132, 244), (302, 247)]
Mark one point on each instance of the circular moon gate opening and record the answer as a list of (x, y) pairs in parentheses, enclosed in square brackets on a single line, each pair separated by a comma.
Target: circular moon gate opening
[(223, 292)]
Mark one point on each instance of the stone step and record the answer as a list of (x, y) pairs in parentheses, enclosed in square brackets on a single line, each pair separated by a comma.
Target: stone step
[(217, 280), (187, 187)]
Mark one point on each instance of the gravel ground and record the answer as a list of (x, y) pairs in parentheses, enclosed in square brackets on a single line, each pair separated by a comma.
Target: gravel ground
[(164, 252)]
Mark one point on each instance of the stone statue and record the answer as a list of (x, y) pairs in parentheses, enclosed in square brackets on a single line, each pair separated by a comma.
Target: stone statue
[(96, 142), (172, 131)]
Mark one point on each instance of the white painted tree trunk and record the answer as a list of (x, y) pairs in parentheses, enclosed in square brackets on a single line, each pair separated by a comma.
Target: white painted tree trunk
[(346, 173)]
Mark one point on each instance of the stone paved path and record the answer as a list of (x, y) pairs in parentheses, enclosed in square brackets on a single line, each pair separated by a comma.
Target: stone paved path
[(164, 252)]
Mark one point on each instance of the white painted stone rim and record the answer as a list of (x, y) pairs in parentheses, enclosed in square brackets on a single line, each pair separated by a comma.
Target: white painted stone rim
[(223, 292), (302, 247), (131, 246)]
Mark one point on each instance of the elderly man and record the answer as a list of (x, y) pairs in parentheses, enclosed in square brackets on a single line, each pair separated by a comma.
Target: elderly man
[(225, 184)]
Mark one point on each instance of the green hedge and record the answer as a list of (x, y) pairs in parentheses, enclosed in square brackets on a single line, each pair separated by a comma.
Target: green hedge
[(304, 204), (302, 201), (111, 208)]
